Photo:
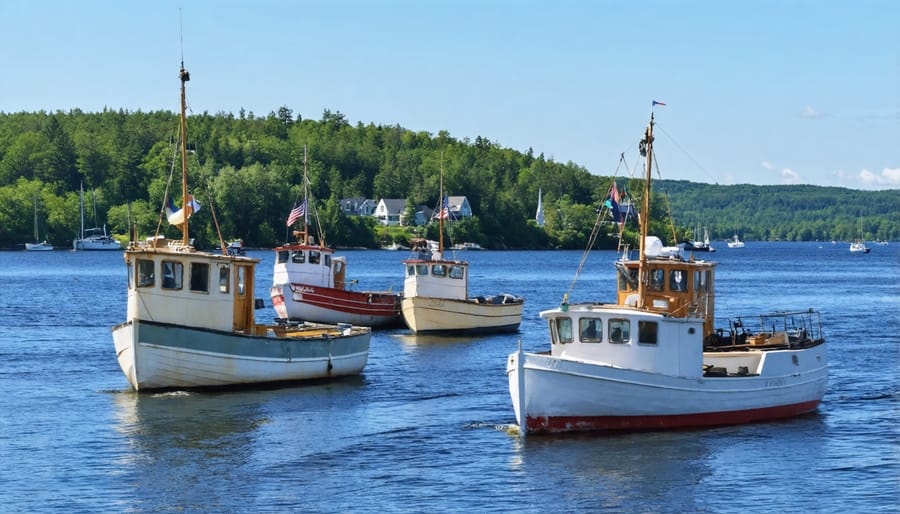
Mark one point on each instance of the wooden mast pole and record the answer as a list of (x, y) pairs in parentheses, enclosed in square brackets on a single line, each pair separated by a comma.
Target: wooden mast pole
[(441, 212), (645, 221), (185, 76)]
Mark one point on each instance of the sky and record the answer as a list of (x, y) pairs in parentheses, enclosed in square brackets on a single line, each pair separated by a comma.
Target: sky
[(756, 92)]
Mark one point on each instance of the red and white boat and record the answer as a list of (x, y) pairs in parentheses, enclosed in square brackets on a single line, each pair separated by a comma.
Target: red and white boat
[(309, 284), (654, 360)]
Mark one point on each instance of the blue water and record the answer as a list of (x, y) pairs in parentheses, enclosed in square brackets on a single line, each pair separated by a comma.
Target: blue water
[(427, 426)]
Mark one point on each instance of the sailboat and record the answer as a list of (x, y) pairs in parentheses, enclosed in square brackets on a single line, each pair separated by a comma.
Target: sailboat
[(310, 283), (698, 245), (654, 360), (735, 242), (436, 292), (37, 245), (190, 317), (93, 238), (859, 246)]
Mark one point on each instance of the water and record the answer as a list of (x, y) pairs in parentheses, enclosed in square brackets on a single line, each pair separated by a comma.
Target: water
[(427, 427)]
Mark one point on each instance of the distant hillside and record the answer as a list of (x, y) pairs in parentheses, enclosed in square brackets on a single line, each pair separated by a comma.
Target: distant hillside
[(795, 212)]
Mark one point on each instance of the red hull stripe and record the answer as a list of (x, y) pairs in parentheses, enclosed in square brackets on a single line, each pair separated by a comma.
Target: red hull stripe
[(551, 424), (376, 304)]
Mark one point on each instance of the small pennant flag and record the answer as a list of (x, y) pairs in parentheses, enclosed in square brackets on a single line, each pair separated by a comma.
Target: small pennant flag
[(655, 103)]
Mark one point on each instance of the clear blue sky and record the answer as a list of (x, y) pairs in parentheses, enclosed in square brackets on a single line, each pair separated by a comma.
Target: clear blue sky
[(760, 92)]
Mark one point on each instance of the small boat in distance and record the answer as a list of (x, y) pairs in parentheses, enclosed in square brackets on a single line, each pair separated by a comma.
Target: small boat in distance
[(697, 245), (93, 238), (309, 282), (859, 247), (235, 247), (436, 292), (467, 246), (37, 245), (735, 242), (190, 318), (653, 360)]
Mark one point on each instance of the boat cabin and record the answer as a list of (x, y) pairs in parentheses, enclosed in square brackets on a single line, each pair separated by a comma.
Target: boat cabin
[(176, 284), (672, 286), (436, 278), (309, 264), (627, 338)]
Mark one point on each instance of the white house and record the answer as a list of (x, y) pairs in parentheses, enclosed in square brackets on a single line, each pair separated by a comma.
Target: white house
[(388, 210), (459, 207)]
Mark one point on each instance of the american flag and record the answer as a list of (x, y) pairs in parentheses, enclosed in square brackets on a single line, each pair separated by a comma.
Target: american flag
[(296, 213), (445, 210)]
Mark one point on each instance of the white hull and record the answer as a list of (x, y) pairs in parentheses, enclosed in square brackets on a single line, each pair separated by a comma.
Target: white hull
[(155, 355), (790, 382), (425, 314), (96, 244), (38, 247)]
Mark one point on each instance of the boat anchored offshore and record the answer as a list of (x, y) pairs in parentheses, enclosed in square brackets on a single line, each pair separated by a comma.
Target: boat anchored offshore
[(309, 283), (654, 360), (190, 318), (436, 293)]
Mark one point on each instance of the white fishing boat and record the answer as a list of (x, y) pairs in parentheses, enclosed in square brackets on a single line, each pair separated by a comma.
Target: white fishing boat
[(735, 242), (436, 293), (235, 247), (653, 360), (310, 282), (37, 245), (190, 318), (93, 238), (467, 246)]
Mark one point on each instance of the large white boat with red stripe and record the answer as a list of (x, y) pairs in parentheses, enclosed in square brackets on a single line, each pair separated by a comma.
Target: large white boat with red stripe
[(653, 360)]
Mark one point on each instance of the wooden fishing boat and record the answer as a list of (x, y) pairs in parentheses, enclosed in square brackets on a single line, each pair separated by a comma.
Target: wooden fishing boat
[(436, 293), (653, 360), (190, 319)]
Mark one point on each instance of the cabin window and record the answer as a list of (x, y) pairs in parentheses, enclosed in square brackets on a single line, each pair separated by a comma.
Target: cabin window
[(172, 274), (200, 277), (619, 330), (590, 330), (338, 266), (145, 273), (564, 329), (421, 269), (240, 280), (283, 256), (457, 271), (439, 270), (701, 280), (298, 257), (707, 281), (678, 280), (314, 257), (223, 279), (647, 332), (657, 279), (327, 261), (624, 284)]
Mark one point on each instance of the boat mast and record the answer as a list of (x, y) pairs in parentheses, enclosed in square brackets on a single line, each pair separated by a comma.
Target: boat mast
[(185, 76), (305, 198), (441, 213), (647, 150)]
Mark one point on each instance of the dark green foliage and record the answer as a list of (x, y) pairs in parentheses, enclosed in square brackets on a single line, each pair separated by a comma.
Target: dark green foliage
[(249, 170)]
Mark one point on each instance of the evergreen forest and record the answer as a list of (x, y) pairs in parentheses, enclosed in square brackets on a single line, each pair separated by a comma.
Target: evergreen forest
[(248, 170)]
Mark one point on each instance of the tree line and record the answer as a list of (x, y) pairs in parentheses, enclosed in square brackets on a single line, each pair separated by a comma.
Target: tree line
[(248, 169)]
